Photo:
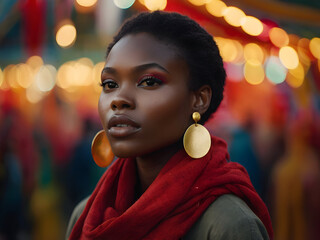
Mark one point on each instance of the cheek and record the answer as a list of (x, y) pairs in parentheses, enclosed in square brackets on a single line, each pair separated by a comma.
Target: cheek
[(103, 108), (169, 115)]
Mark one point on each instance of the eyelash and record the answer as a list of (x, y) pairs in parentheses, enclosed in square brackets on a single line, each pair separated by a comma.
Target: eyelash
[(147, 78), (156, 80)]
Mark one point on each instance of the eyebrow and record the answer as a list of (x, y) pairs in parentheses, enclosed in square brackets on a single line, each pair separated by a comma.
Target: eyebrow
[(138, 68)]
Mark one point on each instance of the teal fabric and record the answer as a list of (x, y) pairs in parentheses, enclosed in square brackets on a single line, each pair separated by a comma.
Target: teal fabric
[(227, 218)]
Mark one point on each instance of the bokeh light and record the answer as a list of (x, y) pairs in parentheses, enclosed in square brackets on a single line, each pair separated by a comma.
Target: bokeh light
[(66, 35), (45, 78), (33, 93), (10, 76), (64, 75), (303, 51), (228, 49), (1, 77), (251, 25), (234, 71), (35, 62), (199, 2), (296, 76), (289, 57), (233, 16), (315, 47), (253, 53), (86, 3), (96, 76), (216, 8), (275, 71), (253, 73), (154, 5), (123, 4), (278, 37), (25, 75)]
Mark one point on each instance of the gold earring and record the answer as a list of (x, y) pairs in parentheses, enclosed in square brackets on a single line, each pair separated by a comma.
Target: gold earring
[(196, 139), (101, 150)]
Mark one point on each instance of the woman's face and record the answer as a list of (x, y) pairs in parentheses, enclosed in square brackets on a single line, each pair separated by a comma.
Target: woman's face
[(145, 104)]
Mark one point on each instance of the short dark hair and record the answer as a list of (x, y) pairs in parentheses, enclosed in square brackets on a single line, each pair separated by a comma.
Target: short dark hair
[(194, 43)]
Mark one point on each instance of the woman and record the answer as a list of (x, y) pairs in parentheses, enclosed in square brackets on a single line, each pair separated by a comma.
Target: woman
[(160, 69)]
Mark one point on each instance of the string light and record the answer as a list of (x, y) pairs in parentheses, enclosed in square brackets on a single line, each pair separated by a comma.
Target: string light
[(253, 73), (45, 78), (278, 37), (216, 8), (251, 25), (275, 71), (123, 4), (233, 16), (86, 3), (199, 2), (25, 75), (66, 35), (1, 77), (253, 53), (296, 76), (315, 47), (154, 5), (289, 57)]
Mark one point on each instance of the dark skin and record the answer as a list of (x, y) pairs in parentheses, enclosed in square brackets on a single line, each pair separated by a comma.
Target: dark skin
[(146, 105)]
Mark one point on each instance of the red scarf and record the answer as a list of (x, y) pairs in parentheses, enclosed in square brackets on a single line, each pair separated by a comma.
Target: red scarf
[(182, 191)]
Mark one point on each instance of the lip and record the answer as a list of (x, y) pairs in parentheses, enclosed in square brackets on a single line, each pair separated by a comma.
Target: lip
[(122, 126)]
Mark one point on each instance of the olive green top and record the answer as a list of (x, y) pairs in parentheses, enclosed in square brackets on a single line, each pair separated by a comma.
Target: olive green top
[(227, 218)]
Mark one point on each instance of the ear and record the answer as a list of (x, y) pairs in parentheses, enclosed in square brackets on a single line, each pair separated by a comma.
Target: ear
[(202, 99)]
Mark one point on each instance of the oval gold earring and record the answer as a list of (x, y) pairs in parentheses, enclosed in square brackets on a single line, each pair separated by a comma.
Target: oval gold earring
[(196, 139), (101, 150)]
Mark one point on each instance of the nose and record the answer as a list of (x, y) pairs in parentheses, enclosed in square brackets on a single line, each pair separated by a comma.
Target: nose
[(123, 100)]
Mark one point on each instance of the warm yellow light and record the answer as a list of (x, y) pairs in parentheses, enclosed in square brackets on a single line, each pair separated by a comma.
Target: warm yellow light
[(154, 5), (82, 72), (25, 75), (314, 46), (296, 76), (10, 76), (253, 53), (288, 57), (33, 94), (64, 75), (216, 8), (123, 4), (86, 3), (278, 37), (66, 35), (228, 49), (35, 62), (96, 76), (1, 77), (233, 16), (252, 25), (199, 2), (253, 73), (303, 51), (45, 79)]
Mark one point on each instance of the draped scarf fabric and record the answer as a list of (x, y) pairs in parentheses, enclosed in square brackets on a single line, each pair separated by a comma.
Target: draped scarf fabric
[(182, 191)]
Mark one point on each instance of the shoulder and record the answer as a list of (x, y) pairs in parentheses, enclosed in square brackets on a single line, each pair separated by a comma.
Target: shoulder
[(228, 217), (75, 215)]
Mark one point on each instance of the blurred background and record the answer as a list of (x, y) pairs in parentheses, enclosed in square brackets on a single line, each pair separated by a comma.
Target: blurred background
[(51, 56)]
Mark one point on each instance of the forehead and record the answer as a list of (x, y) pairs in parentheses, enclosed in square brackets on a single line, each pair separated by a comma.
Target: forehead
[(142, 48)]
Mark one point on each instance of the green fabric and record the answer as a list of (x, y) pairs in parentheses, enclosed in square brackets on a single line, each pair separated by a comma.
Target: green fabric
[(228, 218)]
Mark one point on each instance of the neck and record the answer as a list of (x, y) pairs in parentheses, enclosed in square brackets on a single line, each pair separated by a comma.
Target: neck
[(149, 166)]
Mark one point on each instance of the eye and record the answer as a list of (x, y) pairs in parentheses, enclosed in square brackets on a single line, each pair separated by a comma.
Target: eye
[(108, 84), (149, 81)]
